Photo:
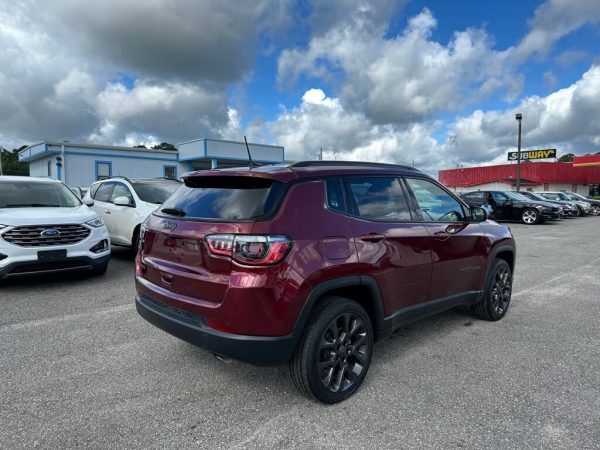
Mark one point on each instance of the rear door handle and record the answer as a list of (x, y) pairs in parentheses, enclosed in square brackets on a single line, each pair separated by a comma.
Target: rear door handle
[(372, 237), (107, 211)]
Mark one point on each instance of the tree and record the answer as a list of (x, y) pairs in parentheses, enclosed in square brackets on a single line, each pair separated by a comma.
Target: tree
[(566, 158), (140, 146), (165, 146), (10, 162)]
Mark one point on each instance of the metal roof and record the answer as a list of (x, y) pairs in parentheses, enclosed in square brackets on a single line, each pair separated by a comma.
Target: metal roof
[(541, 172)]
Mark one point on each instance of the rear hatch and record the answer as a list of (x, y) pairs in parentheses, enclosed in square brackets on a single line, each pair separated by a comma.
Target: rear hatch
[(176, 254)]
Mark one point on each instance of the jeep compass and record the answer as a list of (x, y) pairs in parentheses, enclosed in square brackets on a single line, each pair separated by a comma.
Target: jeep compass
[(309, 264)]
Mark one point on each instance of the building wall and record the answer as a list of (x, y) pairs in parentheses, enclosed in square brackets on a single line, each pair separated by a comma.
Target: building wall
[(79, 161), (580, 188), (39, 168), (79, 165), (209, 148), (80, 170)]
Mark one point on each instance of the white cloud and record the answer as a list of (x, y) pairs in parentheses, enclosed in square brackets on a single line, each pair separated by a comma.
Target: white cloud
[(403, 79), (553, 20), (150, 109), (411, 77), (321, 122), (59, 61), (568, 119)]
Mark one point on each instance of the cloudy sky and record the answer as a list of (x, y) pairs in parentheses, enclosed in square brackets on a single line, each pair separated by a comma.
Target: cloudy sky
[(435, 83)]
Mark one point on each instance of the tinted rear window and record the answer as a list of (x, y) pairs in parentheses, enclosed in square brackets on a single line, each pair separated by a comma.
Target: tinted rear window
[(225, 198)]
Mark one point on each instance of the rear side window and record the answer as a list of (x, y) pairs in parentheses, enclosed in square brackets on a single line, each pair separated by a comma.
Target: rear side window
[(155, 191), (93, 189), (499, 197), (473, 197), (224, 198), (378, 198), (335, 195), (103, 192)]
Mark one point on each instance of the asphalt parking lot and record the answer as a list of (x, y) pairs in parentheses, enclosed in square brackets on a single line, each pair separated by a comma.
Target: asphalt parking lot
[(79, 368)]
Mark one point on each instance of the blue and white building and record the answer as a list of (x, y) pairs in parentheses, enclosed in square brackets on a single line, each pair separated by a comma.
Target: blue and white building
[(82, 164)]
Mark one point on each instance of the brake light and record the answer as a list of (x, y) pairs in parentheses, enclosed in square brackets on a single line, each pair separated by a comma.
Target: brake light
[(250, 249), (220, 244)]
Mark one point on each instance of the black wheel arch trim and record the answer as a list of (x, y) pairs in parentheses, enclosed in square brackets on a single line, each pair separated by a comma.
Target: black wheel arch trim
[(500, 248), (338, 283)]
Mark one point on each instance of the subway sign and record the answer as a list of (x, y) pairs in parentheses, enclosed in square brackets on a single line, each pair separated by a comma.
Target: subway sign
[(533, 154)]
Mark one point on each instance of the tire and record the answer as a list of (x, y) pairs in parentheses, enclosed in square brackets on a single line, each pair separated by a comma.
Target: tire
[(100, 270), (135, 241), (498, 290), (577, 212), (595, 210), (334, 353), (530, 216)]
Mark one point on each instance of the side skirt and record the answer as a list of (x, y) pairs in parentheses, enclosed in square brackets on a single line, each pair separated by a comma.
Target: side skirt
[(417, 312)]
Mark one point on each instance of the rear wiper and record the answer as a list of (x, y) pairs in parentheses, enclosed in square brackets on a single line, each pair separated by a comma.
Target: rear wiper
[(173, 211), (35, 205)]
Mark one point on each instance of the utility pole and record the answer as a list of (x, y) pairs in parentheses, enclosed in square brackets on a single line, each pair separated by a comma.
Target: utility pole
[(1, 153), (519, 117), (320, 153)]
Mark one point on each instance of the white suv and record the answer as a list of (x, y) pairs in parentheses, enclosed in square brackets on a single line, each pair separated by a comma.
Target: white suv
[(125, 203), (45, 227)]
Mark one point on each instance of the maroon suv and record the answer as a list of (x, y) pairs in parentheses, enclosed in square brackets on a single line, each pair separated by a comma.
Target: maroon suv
[(311, 263)]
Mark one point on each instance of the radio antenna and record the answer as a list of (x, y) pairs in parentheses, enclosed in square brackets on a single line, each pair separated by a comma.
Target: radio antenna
[(249, 155)]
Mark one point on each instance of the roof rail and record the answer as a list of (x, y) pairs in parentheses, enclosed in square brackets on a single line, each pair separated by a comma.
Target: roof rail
[(347, 163), (117, 176)]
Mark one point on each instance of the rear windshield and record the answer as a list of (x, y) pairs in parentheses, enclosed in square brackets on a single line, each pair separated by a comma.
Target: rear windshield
[(155, 191), (223, 198), (25, 194)]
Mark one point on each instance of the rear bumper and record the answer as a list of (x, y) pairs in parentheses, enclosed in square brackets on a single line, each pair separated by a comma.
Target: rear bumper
[(258, 350)]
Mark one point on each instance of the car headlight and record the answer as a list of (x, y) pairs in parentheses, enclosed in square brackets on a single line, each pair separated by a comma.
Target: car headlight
[(97, 222), (3, 226), (540, 207)]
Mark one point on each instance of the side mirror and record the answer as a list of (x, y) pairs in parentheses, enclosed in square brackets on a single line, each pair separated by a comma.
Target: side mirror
[(122, 201), (478, 214), (88, 202)]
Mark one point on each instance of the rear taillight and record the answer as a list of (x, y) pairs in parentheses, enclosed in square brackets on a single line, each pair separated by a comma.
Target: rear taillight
[(220, 244), (249, 248)]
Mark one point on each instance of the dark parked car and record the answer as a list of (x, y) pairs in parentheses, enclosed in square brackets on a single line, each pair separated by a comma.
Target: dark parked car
[(508, 205), (584, 206), (311, 263), (595, 210), (568, 208)]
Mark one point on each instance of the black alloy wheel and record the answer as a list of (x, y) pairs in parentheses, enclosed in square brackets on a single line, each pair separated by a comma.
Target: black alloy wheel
[(343, 352), (577, 212), (334, 353), (501, 290), (496, 297)]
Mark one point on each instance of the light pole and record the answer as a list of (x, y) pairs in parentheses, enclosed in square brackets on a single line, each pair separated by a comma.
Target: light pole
[(519, 117)]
